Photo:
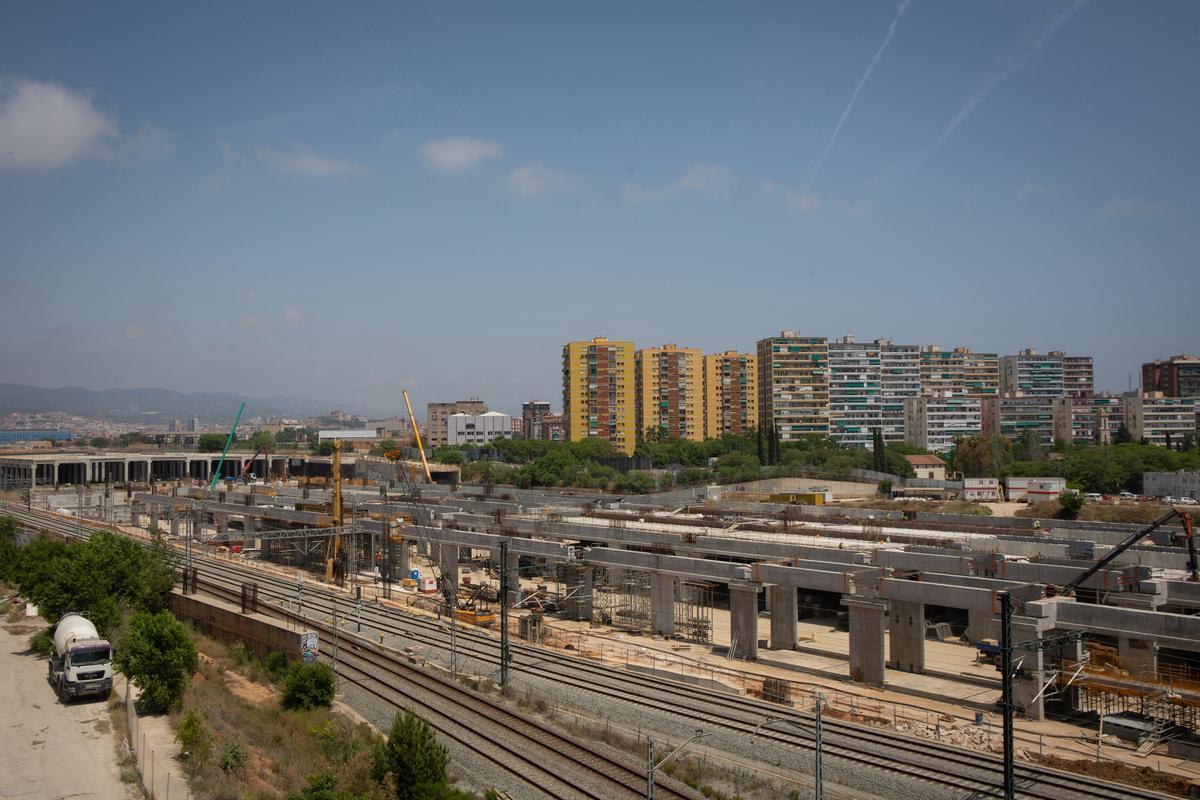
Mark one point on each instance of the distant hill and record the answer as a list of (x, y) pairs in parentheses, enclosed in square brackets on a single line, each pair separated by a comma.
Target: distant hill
[(148, 405)]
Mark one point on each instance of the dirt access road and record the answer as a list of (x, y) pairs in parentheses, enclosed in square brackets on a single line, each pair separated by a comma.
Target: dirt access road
[(51, 751)]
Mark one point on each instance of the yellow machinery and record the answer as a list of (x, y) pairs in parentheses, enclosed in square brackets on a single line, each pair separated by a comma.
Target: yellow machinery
[(333, 548)]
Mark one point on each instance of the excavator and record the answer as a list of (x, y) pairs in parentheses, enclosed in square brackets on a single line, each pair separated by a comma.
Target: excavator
[(247, 475)]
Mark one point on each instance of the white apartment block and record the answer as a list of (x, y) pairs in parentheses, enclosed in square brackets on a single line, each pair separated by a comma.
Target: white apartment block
[(478, 429), (1160, 420), (1032, 374), (934, 423), (899, 379), (855, 411)]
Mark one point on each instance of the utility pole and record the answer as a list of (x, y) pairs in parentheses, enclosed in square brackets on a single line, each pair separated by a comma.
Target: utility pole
[(651, 766), (504, 653), (818, 779), (1006, 691)]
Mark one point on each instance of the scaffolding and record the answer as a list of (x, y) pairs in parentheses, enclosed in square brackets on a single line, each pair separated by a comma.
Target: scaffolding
[(627, 604), (694, 612)]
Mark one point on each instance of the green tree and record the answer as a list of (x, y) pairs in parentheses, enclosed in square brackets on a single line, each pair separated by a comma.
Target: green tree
[(412, 760), (211, 442), (100, 442), (1070, 503), (158, 656), (321, 448), (323, 786), (10, 551), (307, 686), (762, 450), (262, 440), (194, 738), (879, 451), (449, 455), (1122, 436)]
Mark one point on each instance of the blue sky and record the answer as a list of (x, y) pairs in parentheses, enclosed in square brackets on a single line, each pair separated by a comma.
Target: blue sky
[(342, 200)]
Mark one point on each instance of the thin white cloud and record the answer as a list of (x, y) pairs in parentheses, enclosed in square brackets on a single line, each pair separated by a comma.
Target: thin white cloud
[(714, 180), (151, 143), (301, 161), (292, 315), (1121, 206), (535, 178), (797, 199), (217, 180), (44, 126), (853, 97), (1017, 58), (457, 153)]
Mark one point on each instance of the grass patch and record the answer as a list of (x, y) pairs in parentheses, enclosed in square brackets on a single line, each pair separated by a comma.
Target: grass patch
[(1136, 513), (259, 750)]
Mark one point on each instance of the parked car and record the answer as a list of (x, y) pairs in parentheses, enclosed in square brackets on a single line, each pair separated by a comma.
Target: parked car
[(1092, 497)]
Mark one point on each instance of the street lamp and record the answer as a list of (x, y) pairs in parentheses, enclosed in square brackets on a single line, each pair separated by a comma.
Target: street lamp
[(818, 782), (651, 765)]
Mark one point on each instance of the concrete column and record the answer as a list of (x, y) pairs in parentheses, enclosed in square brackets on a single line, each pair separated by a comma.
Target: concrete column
[(250, 529), (448, 563), (743, 621), (1139, 657), (1029, 678), (662, 605), (579, 594), (222, 522), (781, 604), (907, 623), (174, 527), (153, 516), (514, 578), (403, 560), (866, 639), (982, 625)]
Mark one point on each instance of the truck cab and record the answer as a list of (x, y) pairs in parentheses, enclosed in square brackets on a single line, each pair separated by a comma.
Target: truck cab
[(82, 661)]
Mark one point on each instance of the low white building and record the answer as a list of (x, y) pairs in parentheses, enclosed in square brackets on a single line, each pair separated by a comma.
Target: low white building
[(1034, 490), (981, 490), (478, 429), (346, 434), (1172, 484)]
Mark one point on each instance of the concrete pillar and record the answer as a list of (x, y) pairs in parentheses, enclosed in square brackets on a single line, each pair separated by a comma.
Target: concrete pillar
[(222, 522), (174, 527), (781, 604), (662, 604), (153, 516), (579, 595), (250, 529), (866, 639), (403, 560), (448, 564), (514, 578), (982, 625), (1139, 657), (743, 621), (1029, 678), (907, 623)]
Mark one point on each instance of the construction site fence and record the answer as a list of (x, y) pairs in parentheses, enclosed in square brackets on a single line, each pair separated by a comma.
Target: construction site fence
[(157, 768)]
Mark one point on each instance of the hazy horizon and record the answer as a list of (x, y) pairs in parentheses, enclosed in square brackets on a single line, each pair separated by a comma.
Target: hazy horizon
[(335, 204)]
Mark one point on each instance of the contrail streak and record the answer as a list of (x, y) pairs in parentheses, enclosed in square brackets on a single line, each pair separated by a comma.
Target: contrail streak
[(861, 83), (994, 80)]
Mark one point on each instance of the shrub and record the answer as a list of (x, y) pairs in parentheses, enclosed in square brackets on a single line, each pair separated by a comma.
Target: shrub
[(307, 686), (233, 756), (194, 738), (413, 759), (42, 643), (276, 664), (158, 656), (1071, 503), (239, 654)]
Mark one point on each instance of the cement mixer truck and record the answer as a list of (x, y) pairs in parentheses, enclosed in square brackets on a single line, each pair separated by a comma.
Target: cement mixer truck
[(82, 661)]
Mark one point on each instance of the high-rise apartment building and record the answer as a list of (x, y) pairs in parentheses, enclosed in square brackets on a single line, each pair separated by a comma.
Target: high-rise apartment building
[(670, 392), (855, 407), (1074, 420), (1032, 374), (980, 373), (532, 413), (1110, 417), (1160, 420), (1014, 416), (1178, 376), (899, 379), (793, 385), (1079, 376), (941, 372), (935, 422), (730, 394), (437, 413), (193, 424), (598, 392)]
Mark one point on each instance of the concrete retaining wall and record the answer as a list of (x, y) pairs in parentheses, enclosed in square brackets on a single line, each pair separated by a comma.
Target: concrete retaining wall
[(225, 622)]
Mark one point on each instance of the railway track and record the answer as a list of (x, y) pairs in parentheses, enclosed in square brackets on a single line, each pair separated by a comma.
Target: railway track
[(960, 772)]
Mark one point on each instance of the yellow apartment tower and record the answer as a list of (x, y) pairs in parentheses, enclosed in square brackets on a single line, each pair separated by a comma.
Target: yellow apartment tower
[(670, 393), (598, 392), (730, 394)]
